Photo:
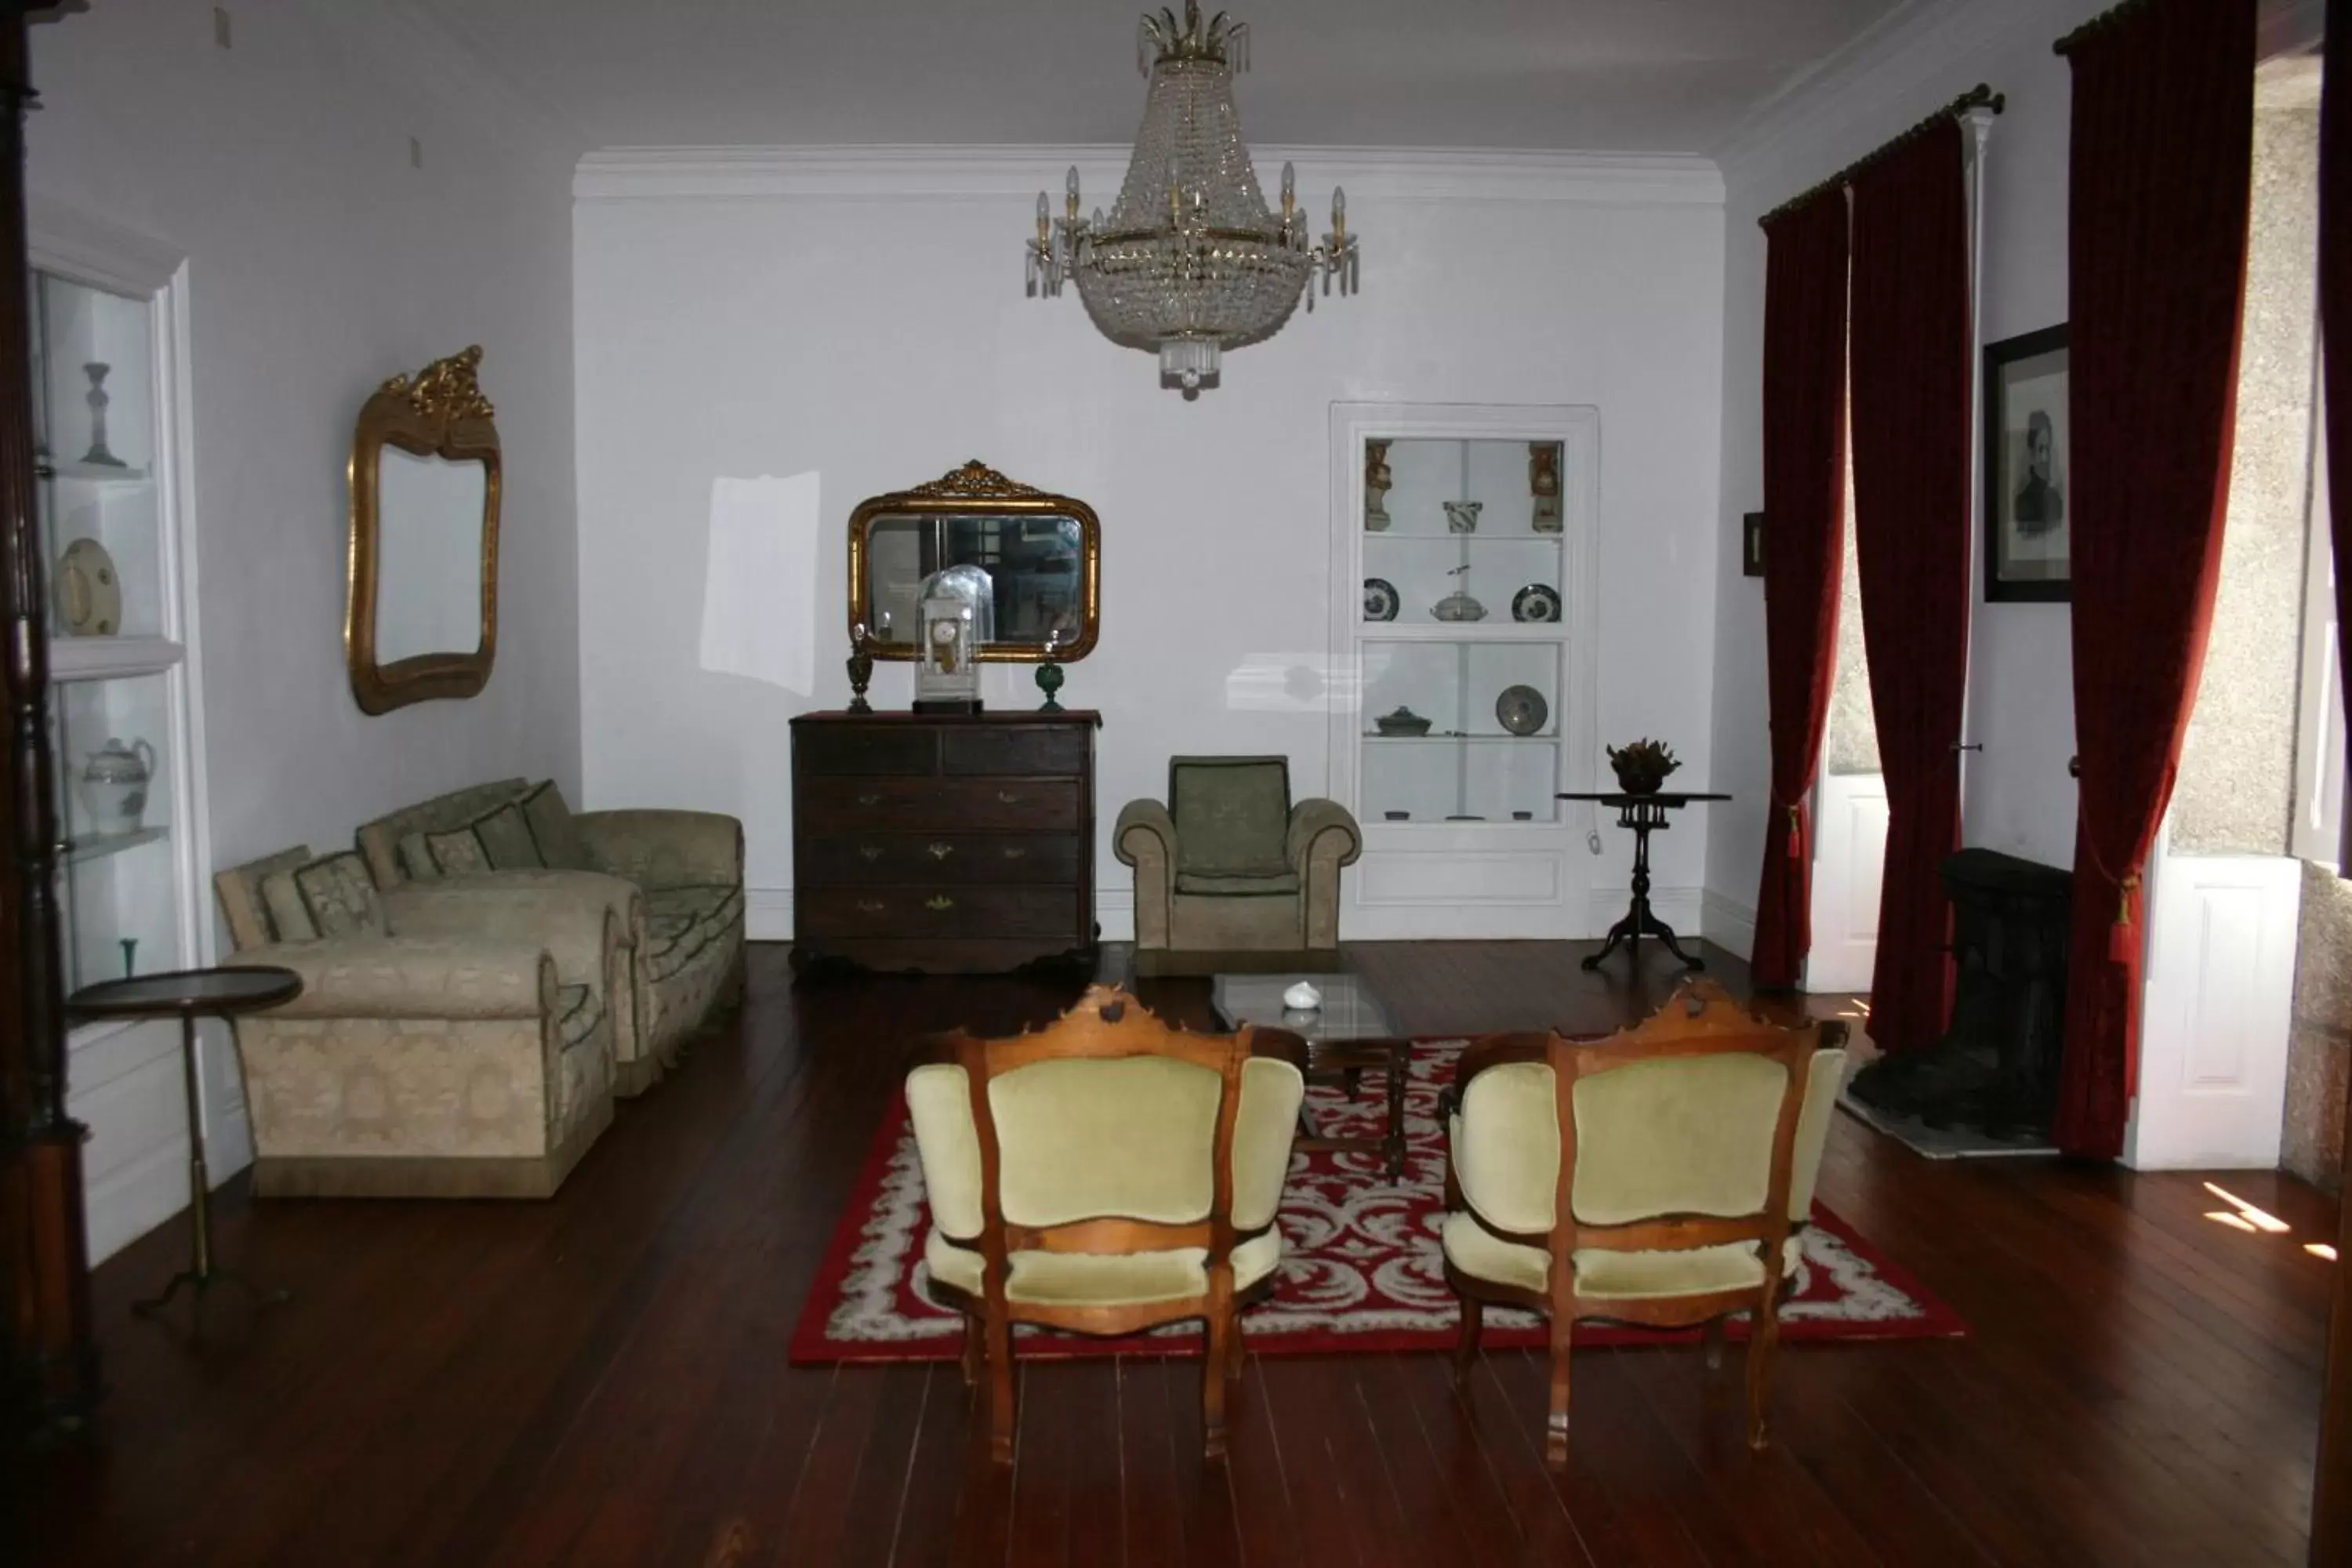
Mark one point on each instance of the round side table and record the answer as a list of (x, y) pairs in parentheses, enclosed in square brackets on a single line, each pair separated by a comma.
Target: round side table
[(189, 995)]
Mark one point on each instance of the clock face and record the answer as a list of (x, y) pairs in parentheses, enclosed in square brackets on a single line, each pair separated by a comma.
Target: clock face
[(943, 631)]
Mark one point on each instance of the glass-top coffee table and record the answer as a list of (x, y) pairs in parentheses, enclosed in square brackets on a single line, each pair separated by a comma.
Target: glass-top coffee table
[(1349, 1035)]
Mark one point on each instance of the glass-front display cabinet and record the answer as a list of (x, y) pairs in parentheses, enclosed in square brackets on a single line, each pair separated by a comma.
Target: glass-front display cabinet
[(108, 313), (114, 649), (1463, 618)]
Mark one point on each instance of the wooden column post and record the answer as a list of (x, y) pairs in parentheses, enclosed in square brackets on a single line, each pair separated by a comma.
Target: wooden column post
[(2331, 1500), (49, 1377)]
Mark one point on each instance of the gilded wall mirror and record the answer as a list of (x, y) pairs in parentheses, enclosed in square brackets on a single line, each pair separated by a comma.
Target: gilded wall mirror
[(1043, 555), (423, 618)]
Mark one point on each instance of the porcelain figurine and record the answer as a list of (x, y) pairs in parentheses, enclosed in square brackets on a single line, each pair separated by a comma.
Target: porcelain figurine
[(1302, 998), (1461, 516), (1378, 480), (1543, 483), (114, 786), (861, 668)]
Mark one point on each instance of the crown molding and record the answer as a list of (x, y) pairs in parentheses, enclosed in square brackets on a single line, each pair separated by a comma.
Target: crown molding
[(992, 173)]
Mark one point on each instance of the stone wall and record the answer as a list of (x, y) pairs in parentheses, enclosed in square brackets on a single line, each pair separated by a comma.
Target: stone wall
[(2319, 1058)]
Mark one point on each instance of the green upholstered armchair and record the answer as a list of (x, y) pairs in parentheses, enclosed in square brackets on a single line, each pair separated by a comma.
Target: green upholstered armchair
[(1105, 1174), (1230, 875), (1682, 1153)]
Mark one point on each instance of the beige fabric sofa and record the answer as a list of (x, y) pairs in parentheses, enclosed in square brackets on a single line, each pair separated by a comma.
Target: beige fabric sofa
[(1230, 875), (443, 1055), (676, 876)]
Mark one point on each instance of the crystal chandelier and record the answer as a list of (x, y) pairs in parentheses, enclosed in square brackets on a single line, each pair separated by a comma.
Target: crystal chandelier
[(1191, 261)]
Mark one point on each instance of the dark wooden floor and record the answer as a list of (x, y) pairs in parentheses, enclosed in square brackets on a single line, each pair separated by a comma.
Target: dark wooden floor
[(602, 1378)]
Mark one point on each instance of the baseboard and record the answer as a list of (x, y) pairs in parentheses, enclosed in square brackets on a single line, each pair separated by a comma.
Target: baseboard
[(768, 913), (1728, 923)]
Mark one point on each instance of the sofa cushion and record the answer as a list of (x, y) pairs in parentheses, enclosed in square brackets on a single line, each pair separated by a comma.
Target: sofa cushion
[(417, 859), (341, 896), (506, 839), (290, 917), (553, 830), (457, 852), (1279, 885), (1232, 815)]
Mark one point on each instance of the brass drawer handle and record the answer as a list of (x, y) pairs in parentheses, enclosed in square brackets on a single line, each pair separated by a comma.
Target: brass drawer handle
[(870, 905), (869, 800), (941, 851), (1016, 853), (938, 901), (1008, 797), (871, 851)]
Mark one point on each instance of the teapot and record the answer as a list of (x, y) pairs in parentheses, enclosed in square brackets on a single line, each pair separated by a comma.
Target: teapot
[(114, 785)]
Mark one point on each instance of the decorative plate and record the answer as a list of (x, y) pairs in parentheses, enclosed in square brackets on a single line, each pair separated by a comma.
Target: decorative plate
[(1521, 709), (1380, 599), (1535, 602), (89, 594)]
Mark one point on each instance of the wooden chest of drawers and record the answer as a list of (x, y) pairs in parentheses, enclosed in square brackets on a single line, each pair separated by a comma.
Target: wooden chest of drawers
[(961, 844)]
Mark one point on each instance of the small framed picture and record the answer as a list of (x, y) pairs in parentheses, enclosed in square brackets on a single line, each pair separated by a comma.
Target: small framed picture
[(2027, 453), (1751, 544)]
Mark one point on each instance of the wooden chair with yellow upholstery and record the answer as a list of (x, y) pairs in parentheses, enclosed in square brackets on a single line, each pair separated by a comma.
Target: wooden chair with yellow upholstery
[(1640, 1178), (1105, 1174)]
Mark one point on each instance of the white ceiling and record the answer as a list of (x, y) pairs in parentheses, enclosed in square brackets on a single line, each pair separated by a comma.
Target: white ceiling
[(1665, 76)]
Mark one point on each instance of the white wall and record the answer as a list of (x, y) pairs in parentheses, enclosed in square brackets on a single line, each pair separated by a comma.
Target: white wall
[(861, 316), (2021, 699), (320, 262)]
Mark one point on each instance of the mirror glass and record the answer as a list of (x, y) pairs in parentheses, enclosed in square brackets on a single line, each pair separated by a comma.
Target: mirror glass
[(1035, 563), (428, 586)]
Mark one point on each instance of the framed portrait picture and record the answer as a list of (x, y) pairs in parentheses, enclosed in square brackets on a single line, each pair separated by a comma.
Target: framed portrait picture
[(2027, 448)]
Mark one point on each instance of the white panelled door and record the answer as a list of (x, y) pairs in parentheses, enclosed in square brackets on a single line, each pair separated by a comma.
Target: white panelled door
[(1848, 865), (2219, 1002)]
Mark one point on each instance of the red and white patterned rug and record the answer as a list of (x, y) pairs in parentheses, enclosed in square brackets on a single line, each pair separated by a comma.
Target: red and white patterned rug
[(1362, 1268)]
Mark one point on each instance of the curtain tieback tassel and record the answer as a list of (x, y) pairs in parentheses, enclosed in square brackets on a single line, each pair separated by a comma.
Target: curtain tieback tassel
[(1796, 834), (2123, 938)]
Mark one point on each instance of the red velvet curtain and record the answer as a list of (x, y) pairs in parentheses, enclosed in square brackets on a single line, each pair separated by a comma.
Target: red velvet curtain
[(1804, 487), (1912, 423), (2160, 171)]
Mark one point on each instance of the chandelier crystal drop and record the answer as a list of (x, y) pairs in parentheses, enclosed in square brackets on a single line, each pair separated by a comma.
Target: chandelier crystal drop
[(1190, 260)]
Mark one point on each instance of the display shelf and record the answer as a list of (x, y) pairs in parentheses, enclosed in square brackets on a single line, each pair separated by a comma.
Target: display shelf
[(98, 845), (94, 474), (111, 658)]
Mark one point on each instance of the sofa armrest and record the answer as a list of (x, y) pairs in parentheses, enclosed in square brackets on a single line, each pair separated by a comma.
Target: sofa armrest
[(410, 977), (666, 848), (1145, 829), (578, 923), (1310, 821)]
